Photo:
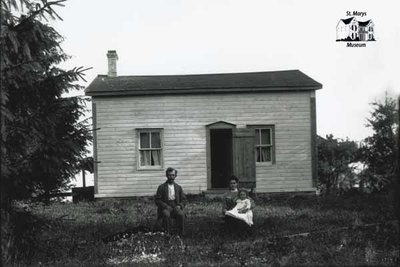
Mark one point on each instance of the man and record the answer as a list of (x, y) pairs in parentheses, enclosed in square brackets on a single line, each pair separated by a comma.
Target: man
[(170, 201)]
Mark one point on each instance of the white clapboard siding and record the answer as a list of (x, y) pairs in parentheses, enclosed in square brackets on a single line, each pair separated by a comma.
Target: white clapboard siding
[(183, 119)]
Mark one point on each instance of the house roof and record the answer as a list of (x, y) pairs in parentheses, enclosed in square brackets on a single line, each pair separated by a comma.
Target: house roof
[(290, 80), (347, 21), (364, 23)]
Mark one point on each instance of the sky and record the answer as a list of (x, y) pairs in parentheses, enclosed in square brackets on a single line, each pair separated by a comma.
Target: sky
[(161, 37)]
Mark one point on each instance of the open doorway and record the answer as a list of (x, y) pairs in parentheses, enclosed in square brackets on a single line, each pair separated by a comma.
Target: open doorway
[(221, 157)]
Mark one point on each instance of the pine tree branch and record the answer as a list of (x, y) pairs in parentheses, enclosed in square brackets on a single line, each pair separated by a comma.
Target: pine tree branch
[(47, 7), (12, 67)]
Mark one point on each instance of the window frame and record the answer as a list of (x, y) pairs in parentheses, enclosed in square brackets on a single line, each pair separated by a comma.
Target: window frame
[(139, 149), (270, 127)]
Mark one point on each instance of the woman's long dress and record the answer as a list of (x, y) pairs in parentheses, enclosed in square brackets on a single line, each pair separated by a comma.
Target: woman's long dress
[(247, 217)]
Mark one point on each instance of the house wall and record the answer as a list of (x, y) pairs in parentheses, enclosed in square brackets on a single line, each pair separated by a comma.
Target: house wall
[(183, 119), (354, 31), (342, 31)]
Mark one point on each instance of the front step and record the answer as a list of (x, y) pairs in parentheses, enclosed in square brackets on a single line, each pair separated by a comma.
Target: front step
[(214, 193), (217, 193)]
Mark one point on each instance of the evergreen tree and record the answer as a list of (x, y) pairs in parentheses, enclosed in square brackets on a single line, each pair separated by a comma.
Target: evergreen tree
[(42, 139)]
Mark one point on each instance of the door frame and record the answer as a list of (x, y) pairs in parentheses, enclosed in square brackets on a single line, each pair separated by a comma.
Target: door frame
[(216, 125)]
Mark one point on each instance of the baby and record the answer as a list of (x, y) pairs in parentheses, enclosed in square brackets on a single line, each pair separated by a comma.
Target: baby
[(243, 203), (242, 210)]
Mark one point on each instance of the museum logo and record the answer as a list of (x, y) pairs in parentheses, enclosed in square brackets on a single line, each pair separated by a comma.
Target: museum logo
[(355, 31)]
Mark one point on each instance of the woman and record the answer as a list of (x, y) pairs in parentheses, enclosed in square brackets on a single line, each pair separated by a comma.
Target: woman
[(229, 202), (242, 210)]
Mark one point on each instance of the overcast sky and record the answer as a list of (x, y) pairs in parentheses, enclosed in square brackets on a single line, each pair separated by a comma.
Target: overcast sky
[(158, 37)]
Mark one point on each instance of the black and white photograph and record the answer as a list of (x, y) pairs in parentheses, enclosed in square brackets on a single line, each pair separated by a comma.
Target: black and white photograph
[(200, 133)]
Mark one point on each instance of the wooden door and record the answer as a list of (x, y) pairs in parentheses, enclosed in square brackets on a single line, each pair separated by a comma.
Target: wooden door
[(244, 165)]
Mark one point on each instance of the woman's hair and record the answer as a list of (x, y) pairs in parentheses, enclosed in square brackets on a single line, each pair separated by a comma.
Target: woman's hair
[(233, 177), (243, 190)]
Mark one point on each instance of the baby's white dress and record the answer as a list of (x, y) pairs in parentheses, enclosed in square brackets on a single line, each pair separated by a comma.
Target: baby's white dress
[(246, 217)]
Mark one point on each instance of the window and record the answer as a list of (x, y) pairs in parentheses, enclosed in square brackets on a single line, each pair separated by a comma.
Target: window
[(150, 148), (264, 143)]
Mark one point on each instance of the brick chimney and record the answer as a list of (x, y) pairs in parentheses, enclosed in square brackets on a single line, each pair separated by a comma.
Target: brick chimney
[(112, 63)]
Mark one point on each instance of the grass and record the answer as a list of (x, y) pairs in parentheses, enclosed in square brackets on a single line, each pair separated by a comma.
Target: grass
[(356, 230)]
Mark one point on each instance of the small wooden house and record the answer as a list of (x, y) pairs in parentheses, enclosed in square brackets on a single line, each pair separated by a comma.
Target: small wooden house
[(260, 126)]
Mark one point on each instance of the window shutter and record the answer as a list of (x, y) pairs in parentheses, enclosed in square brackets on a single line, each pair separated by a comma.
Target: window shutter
[(244, 157)]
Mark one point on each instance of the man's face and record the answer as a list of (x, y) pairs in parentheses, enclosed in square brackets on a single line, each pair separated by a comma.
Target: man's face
[(171, 177)]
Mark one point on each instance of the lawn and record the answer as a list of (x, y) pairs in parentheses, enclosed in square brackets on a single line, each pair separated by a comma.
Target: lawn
[(352, 230)]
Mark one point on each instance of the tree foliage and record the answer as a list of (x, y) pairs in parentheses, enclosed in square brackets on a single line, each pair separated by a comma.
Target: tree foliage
[(378, 152), (42, 139), (335, 169)]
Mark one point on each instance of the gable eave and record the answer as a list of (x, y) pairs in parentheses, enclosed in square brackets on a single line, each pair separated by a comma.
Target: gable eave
[(340, 23), (291, 80), (221, 123), (192, 91)]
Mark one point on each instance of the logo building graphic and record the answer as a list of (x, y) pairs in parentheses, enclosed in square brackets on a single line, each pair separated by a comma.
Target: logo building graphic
[(352, 30)]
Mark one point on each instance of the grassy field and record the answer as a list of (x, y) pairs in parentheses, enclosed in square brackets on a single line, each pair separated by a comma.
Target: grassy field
[(347, 231)]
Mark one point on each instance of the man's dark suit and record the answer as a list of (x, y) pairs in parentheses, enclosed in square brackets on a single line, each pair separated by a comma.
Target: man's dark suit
[(168, 208)]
